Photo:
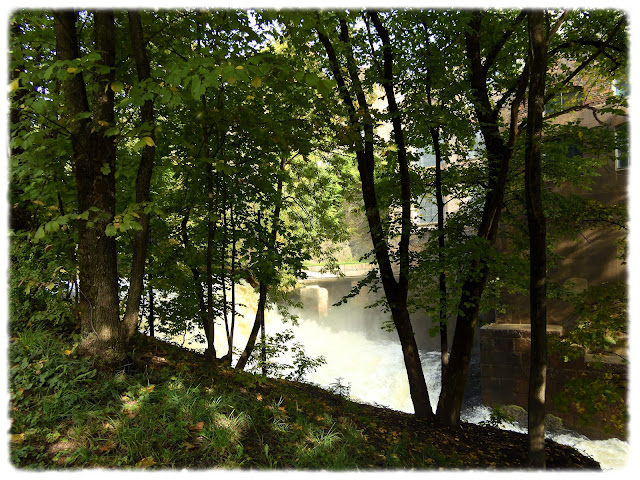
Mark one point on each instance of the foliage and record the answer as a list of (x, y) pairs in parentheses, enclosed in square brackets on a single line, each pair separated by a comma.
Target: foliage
[(255, 170), (41, 286), (284, 358), (498, 417), (600, 330), (601, 322)]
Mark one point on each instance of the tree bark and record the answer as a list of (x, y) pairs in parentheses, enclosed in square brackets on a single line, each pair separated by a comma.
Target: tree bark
[(395, 291), (537, 239), (93, 154), (143, 182), (258, 322)]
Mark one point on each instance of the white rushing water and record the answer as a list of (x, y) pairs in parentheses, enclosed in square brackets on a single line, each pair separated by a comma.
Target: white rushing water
[(371, 365)]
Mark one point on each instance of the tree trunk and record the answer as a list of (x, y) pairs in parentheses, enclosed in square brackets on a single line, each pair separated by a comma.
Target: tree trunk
[(442, 277), (395, 292), (143, 182), (498, 157), (262, 299), (259, 320), (151, 313), (233, 286), (202, 311), (94, 153), (537, 240), (210, 352)]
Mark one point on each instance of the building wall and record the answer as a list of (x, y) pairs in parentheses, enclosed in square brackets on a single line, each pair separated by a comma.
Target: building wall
[(590, 259), (504, 366)]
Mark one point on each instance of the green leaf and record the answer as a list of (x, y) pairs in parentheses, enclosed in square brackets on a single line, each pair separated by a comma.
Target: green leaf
[(110, 132), (256, 82), (117, 87), (39, 234), (110, 230), (105, 170), (312, 79), (149, 141), (139, 144)]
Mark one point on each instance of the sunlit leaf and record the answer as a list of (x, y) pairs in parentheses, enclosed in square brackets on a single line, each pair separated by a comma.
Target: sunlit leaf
[(117, 87)]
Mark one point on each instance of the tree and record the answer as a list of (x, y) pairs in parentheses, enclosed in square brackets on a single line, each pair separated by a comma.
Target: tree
[(499, 153), (361, 141), (538, 42), (76, 109), (143, 178), (94, 164)]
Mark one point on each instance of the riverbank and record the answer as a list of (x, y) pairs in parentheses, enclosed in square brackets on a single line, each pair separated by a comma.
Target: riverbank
[(170, 409)]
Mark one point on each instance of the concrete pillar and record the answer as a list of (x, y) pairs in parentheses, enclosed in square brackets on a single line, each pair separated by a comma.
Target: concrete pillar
[(315, 300)]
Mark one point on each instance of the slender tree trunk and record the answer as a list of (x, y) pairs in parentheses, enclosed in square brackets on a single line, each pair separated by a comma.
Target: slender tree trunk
[(434, 132), (442, 277), (395, 292), (223, 259), (233, 285), (259, 320), (151, 313), (202, 311), (143, 181), (263, 344), (210, 352), (537, 239), (263, 287)]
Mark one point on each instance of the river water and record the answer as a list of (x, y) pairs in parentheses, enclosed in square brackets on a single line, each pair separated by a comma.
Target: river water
[(368, 361)]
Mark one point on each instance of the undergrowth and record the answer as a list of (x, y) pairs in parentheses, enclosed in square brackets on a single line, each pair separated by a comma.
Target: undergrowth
[(171, 409), (64, 413)]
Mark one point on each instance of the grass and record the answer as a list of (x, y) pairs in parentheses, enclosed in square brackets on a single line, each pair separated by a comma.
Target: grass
[(170, 409)]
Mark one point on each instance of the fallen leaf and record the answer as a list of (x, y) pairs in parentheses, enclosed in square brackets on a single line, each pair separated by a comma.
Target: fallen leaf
[(107, 448), (146, 462), (17, 437), (197, 427)]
